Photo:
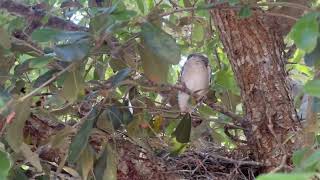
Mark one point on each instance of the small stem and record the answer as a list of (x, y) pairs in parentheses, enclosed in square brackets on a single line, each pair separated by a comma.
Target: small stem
[(46, 83)]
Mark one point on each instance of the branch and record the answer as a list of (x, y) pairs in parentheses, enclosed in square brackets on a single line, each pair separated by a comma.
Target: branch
[(31, 15), (46, 83)]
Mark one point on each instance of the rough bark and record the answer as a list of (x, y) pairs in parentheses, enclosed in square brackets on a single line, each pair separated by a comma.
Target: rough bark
[(255, 52)]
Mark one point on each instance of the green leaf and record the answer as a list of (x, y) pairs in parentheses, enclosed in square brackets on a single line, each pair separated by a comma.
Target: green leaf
[(49, 34), (198, 32), (305, 32), (245, 12), (313, 58), (183, 130), (100, 166), (160, 44), (298, 156), (43, 78), (5, 40), (44, 35), (80, 140), (233, 2), (111, 169), (14, 134), (312, 88), (206, 112), (155, 69), (32, 63), (310, 163), (283, 176), (86, 161), (140, 4), (72, 52), (5, 164), (73, 85), (120, 76)]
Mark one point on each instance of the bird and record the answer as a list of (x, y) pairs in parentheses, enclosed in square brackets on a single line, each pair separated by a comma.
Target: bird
[(196, 77)]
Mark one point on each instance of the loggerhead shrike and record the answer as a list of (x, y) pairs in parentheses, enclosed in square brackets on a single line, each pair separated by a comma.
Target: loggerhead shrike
[(196, 76)]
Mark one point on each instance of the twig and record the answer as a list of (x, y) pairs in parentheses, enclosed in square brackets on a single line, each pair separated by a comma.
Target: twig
[(54, 77)]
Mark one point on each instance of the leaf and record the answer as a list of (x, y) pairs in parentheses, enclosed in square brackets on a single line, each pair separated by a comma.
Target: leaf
[(86, 161), (49, 34), (198, 32), (283, 176), (79, 142), (111, 169), (140, 4), (72, 52), (245, 11), (5, 164), (233, 2), (32, 63), (298, 156), (43, 78), (100, 166), (14, 134), (160, 44), (31, 157), (60, 137), (183, 130), (44, 35), (310, 162), (155, 69), (305, 32), (206, 112), (116, 116), (5, 40), (73, 86), (313, 58), (120, 76), (312, 87)]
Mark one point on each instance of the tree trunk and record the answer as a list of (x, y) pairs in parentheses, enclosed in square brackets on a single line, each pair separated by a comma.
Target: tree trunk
[(255, 52)]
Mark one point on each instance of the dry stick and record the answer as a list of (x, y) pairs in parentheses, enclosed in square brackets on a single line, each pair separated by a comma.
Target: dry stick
[(54, 77)]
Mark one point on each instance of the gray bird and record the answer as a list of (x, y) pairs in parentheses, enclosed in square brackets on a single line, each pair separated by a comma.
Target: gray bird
[(196, 76)]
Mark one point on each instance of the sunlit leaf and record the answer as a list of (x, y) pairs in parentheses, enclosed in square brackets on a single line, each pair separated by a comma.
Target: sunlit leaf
[(183, 130), (79, 142), (310, 163), (160, 44), (5, 40), (306, 32)]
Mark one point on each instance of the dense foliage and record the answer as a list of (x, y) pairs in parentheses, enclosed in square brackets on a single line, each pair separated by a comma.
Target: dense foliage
[(111, 67)]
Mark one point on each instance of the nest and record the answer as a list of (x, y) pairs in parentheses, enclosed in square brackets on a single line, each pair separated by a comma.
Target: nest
[(214, 162)]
